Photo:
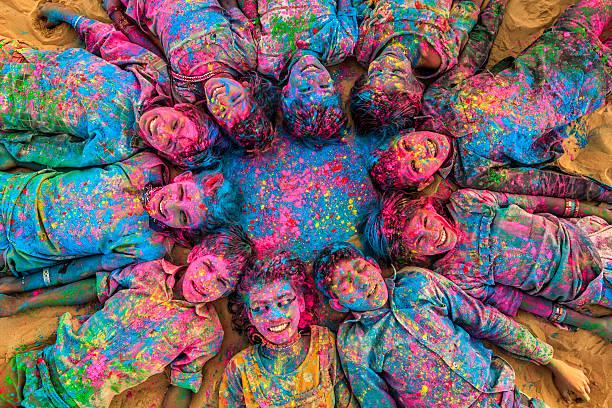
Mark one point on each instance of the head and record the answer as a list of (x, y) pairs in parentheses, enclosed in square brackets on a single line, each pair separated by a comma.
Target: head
[(349, 280), (193, 201), (273, 300), (408, 231), (311, 105), (183, 134), (388, 96), (244, 109), (216, 264), (409, 161)]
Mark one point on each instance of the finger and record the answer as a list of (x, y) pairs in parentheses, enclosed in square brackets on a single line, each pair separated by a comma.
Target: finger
[(566, 396), (587, 388)]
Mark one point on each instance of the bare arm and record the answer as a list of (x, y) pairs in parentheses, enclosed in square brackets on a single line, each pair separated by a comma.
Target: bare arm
[(177, 397)]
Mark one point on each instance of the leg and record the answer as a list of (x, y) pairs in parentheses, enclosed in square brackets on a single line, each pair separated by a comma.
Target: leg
[(588, 15)]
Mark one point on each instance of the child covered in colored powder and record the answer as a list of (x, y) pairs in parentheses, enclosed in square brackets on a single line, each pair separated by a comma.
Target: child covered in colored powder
[(293, 363), (399, 41), (58, 227), (211, 52), (544, 255), (154, 314), (75, 109), (495, 129), (414, 340), (299, 38)]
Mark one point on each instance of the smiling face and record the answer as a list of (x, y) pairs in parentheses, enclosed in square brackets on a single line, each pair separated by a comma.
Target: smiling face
[(310, 82), (169, 130), (275, 310), (181, 204), (228, 101), (392, 71), (206, 279), (357, 285), (429, 233), (412, 159)]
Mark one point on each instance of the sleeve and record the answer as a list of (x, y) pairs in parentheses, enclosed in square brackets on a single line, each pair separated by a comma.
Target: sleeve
[(230, 391), (242, 25), (108, 283), (110, 44), (362, 8), (473, 57), (463, 16), (488, 323), (186, 370), (67, 151), (336, 39), (540, 182), (370, 390)]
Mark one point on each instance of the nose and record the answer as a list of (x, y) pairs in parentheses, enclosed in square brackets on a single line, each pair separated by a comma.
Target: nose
[(275, 312)]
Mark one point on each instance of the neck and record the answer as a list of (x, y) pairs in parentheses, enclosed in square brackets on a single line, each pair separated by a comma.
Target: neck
[(284, 358), (177, 290)]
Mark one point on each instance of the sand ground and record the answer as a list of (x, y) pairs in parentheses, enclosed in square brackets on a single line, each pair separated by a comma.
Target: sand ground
[(524, 21)]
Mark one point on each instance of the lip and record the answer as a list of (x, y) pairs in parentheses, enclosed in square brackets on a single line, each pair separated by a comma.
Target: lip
[(279, 328), (442, 237), (372, 291), (149, 125), (432, 147)]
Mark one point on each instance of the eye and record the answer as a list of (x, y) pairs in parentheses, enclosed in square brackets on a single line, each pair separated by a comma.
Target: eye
[(257, 310), (223, 282), (183, 218), (284, 303), (413, 166), (174, 125), (181, 193)]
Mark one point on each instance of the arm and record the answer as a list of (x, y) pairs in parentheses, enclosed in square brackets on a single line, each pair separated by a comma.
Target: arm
[(486, 322), (62, 274), (69, 295), (539, 182), (336, 39), (101, 39), (177, 397)]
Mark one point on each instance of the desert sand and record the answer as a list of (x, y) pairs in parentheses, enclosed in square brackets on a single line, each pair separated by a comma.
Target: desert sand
[(523, 22)]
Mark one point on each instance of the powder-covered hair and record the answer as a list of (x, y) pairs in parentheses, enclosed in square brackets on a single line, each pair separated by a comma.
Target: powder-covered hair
[(383, 113), (204, 154), (327, 260), (222, 208), (257, 131), (315, 124), (229, 242), (381, 228), (281, 266)]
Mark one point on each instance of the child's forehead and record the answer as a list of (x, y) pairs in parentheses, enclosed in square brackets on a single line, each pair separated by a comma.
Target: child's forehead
[(262, 291)]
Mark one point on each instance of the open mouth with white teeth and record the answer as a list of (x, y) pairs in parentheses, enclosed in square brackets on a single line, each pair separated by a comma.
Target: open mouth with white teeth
[(372, 291), (279, 328), (433, 149), (442, 238), (310, 67)]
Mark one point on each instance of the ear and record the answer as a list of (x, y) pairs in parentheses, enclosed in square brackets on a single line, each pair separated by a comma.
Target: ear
[(301, 304), (214, 182), (186, 176), (334, 304), (423, 184)]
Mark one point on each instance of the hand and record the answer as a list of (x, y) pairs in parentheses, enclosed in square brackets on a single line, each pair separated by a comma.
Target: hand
[(55, 13), (10, 305), (568, 380)]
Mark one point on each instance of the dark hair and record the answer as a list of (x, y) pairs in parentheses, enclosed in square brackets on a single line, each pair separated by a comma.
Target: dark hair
[(204, 154), (382, 113), (256, 132), (230, 242), (315, 124), (380, 229), (268, 269), (327, 260)]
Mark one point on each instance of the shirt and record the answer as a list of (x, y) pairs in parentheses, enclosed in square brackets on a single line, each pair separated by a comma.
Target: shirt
[(49, 218), (76, 109), (424, 349), (140, 330), (503, 251), (326, 29)]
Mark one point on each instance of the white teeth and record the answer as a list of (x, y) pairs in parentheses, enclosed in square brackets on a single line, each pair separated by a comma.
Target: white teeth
[(432, 147), (371, 291), (279, 328), (442, 237)]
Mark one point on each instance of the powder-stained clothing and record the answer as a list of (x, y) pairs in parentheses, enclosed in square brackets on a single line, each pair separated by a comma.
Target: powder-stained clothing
[(199, 38), (73, 108), (48, 217), (326, 29), (516, 115), (140, 330), (503, 251), (441, 24), (318, 382), (424, 349)]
